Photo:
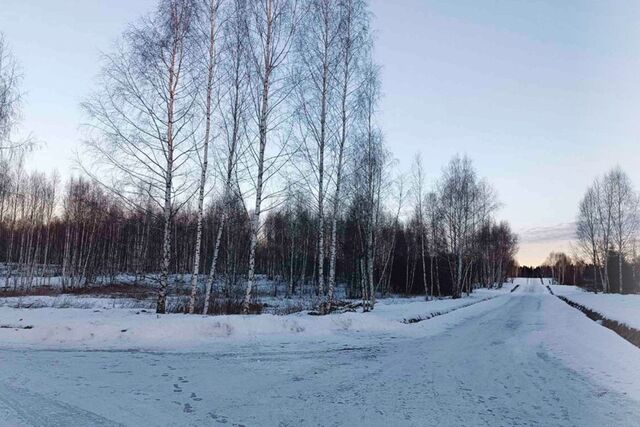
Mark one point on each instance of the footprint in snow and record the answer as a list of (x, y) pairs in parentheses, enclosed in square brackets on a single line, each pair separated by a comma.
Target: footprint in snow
[(219, 418)]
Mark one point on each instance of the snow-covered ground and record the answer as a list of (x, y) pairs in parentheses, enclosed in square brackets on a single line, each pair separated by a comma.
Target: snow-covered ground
[(623, 309), (521, 358), (64, 322), (17, 279)]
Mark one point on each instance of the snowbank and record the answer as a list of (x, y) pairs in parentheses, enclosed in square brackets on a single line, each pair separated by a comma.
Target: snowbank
[(410, 310), (76, 301), (593, 351), (120, 328), (623, 309)]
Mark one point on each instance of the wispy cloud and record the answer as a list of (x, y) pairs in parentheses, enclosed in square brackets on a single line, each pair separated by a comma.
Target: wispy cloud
[(553, 233)]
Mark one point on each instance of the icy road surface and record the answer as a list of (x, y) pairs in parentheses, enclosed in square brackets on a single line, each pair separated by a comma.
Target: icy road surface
[(520, 359)]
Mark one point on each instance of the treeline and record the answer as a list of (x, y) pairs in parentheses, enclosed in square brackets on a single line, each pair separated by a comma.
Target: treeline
[(230, 138), (563, 269), (81, 234), (573, 270)]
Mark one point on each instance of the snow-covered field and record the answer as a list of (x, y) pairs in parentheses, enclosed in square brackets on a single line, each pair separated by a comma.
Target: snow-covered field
[(623, 309), (521, 358), (64, 322)]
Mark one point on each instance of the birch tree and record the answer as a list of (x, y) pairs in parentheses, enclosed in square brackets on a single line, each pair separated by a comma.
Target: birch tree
[(419, 206), (142, 117), (465, 203), (207, 30), (625, 215), (233, 116), (434, 229), (10, 97), (369, 170), (605, 214), (588, 231), (497, 248), (317, 54), (389, 257), (271, 28), (353, 41)]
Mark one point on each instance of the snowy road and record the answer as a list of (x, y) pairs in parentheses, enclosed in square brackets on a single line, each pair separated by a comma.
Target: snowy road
[(493, 363)]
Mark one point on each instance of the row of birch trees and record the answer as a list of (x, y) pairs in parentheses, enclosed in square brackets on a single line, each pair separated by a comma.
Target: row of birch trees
[(231, 139), (265, 88)]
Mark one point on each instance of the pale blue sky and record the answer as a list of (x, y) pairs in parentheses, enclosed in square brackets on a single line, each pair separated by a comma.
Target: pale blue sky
[(543, 95)]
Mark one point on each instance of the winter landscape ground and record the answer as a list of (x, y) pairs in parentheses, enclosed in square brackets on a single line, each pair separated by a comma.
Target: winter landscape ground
[(319, 213), (497, 358)]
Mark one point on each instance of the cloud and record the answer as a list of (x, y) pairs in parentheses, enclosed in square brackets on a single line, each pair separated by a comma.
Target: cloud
[(554, 233), (537, 242)]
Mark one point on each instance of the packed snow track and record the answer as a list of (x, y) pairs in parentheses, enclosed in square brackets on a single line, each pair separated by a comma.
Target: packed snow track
[(524, 358)]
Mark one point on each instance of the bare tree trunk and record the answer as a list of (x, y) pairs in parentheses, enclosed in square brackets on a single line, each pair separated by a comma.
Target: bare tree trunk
[(370, 255), (620, 271), (438, 277), (606, 282), (431, 273), (363, 286), (424, 267), (291, 262), (255, 220), (334, 220), (161, 306), (458, 282), (303, 269), (213, 5), (276, 22), (214, 263)]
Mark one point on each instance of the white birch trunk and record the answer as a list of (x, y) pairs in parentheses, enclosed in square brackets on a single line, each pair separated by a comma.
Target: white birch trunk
[(161, 306), (205, 150), (255, 220)]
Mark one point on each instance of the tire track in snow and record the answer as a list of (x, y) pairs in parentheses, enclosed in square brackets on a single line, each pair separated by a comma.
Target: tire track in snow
[(29, 408)]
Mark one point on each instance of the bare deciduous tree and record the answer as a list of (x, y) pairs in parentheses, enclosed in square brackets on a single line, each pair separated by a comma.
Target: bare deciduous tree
[(271, 28), (419, 195), (208, 32), (368, 176), (608, 221), (625, 215), (466, 203), (10, 99), (317, 54), (588, 230), (142, 118), (235, 74), (353, 43)]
